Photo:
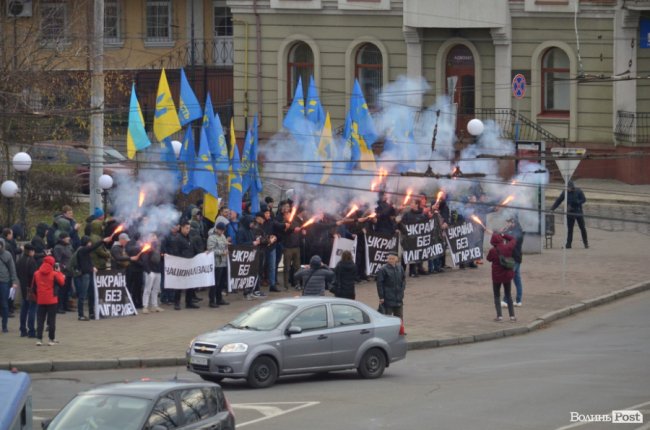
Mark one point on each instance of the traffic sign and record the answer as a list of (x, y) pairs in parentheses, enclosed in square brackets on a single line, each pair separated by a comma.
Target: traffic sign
[(519, 86)]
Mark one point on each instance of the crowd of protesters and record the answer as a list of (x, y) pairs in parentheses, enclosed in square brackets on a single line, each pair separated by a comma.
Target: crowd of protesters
[(61, 259)]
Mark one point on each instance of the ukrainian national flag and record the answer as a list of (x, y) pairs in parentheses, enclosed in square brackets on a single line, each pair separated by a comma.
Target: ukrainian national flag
[(136, 136)]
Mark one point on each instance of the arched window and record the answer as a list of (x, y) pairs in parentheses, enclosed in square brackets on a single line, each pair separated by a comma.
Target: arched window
[(368, 68), (555, 82), (300, 65)]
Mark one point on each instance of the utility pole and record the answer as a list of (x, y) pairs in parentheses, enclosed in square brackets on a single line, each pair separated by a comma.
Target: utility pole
[(97, 105)]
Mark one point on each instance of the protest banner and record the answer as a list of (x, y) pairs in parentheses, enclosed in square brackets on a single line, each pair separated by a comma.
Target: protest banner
[(421, 241), (112, 299), (341, 244), (184, 273), (244, 263), (377, 248), (465, 242)]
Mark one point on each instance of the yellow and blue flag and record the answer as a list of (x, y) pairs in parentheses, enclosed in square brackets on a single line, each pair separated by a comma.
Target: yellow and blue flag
[(296, 113), (314, 110), (234, 173), (204, 176), (360, 131), (249, 167), (189, 108), (188, 157), (326, 149), (136, 136), (165, 120)]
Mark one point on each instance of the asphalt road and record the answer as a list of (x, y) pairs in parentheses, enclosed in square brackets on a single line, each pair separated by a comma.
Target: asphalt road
[(593, 363)]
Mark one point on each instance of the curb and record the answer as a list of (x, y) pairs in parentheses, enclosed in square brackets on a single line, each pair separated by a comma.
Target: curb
[(135, 362)]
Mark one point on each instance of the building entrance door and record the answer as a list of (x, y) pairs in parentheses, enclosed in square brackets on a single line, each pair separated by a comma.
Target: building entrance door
[(460, 84)]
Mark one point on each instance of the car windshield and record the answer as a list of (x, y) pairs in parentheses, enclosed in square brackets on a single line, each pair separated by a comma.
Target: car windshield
[(264, 317), (112, 155), (101, 412)]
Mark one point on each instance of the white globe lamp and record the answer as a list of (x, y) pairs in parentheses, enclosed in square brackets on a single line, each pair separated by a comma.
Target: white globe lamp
[(475, 127)]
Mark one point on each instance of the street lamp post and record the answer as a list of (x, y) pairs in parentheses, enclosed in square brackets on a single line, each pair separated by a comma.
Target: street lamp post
[(475, 127), (9, 189), (22, 163), (105, 184)]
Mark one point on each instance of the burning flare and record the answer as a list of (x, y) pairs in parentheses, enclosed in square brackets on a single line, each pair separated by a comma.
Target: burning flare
[(310, 221), (146, 247), (372, 215), (119, 229), (353, 209), (507, 200), (439, 196), (141, 199), (408, 196), (373, 185), (478, 221), (293, 213)]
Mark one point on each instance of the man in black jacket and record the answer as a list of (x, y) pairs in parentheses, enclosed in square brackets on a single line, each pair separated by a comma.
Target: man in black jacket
[(513, 228), (391, 283), (183, 248), (25, 268), (575, 199)]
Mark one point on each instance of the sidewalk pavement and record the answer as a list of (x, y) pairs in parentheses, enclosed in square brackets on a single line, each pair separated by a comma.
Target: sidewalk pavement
[(443, 309)]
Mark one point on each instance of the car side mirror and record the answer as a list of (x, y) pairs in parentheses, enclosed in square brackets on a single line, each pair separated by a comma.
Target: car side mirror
[(293, 330)]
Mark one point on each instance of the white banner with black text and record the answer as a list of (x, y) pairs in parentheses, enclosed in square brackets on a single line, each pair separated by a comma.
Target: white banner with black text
[(185, 273)]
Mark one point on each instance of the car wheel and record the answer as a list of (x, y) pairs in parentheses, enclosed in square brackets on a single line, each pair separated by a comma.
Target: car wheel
[(212, 378), (372, 364), (262, 373)]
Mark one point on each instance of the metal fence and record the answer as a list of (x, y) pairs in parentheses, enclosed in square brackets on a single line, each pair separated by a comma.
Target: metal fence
[(632, 127)]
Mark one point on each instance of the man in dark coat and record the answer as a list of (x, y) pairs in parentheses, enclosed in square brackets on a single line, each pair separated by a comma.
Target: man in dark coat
[(513, 228), (391, 283), (315, 279), (25, 268), (575, 199), (183, 248)]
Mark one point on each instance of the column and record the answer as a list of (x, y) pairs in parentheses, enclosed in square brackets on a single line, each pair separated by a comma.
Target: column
[(626, 30), (413, 61), (501, 38)]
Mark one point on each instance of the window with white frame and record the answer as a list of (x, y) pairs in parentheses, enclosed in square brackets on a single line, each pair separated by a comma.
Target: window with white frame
[(555, 81), (112, 22), (368, 69), (159, 21), (53, 22), (222, 21)]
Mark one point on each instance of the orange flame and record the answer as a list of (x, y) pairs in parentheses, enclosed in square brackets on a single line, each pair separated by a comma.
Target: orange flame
[(439, 196), (373, 185), (372, 215), (478, 221), (293, 213), (353, 209), (146, 247), (310, 221), (408, 196), (141, 199), (119, 229), (382, 174), (507, 200)]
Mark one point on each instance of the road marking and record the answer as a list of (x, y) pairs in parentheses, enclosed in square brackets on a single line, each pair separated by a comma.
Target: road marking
[(269, 410), (635, 407)]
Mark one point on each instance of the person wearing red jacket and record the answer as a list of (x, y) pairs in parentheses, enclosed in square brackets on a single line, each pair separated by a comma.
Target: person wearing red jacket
[(46, 278), (502, 245)]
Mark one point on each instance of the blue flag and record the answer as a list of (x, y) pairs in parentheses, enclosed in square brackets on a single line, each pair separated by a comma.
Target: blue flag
[(234, 175), (254, 181), (188, 157), (315, 112), (220, 158), (360, 131), (136, 136), (216, 140), (188, 107), (296, 113), (204, 176)]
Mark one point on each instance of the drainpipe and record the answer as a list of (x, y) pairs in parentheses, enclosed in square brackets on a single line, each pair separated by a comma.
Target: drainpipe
[(238, 21), (258, 48)]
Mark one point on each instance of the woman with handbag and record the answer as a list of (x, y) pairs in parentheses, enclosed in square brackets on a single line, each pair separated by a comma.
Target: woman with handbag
[(500, 256), (47, 279)]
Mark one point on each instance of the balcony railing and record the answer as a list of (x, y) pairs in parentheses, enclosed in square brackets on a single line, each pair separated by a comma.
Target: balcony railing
[(632, 127), (510, 121), (205, 52)]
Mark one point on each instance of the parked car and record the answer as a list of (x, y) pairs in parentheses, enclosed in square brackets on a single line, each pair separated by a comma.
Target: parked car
[(16, 404), (77, 156), (299, 335), (151, 405)]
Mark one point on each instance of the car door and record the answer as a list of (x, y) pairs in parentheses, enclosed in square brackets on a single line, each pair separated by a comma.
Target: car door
[(200, 408), (351, 328), (310, 349), (164, 413)]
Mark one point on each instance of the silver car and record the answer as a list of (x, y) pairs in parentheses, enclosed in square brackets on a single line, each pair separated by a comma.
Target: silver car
[(299, 335)]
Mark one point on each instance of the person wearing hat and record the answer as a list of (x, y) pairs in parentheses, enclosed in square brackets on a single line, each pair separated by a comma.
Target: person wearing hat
[(575, 199), (391, 283), (25, 268), (62, 253), (83, 269), (46, 279), (218, 245), (316, 278)]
